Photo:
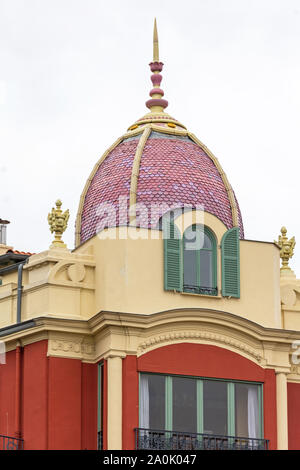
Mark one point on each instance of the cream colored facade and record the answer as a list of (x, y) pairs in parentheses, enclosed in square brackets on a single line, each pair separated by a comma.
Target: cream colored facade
[(121, 270)]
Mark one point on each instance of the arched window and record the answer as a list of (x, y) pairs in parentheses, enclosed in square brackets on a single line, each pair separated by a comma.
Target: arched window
[(190, 261), (199, 261)]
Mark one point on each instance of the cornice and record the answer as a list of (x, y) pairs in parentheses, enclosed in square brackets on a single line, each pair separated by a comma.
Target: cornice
[(127, 333), (145, 321)]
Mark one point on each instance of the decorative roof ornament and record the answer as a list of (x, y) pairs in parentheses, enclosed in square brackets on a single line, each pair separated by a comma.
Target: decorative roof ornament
[(58, 222), (155, 43), (156, 104), (146, 166), (286, 251)]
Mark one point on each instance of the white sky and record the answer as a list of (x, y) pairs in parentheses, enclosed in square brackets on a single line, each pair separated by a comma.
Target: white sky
[(74, 75)]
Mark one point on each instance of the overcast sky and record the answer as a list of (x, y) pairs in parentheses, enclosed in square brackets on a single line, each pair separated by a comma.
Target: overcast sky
[(74, 76)]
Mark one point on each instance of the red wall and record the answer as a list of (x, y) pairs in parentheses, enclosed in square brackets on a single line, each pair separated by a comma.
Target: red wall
[(59, 396), (72, 404), (130, 403), (58, 400), (34, 395), (197, 360), (64, 405), (7, 394), (89, 406), (294, 415)]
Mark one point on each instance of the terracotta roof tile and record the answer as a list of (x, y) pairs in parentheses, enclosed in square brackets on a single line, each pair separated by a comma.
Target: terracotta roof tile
[(16, 252)]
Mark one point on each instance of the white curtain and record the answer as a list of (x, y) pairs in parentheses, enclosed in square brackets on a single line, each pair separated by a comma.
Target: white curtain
[(144, 402), (253, 427)]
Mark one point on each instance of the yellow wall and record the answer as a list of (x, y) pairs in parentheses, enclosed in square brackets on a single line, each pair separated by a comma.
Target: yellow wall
[(129, 277), (56, 283)]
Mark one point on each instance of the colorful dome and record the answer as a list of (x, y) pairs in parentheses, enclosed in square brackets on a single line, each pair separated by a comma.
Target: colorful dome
[(156, 166)]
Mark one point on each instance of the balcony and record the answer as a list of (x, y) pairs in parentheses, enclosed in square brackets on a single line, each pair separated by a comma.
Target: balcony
[(172, 440), (11, 443)]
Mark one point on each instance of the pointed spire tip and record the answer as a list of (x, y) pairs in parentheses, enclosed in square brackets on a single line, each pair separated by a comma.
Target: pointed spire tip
[(155, 43)]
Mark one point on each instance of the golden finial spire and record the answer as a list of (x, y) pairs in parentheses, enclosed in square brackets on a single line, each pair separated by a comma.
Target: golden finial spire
[(155, 43), (286, 251), (156, 104), (58, 222)]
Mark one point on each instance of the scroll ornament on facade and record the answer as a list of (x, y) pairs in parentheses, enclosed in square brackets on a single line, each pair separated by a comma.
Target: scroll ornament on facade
[(58, 222)]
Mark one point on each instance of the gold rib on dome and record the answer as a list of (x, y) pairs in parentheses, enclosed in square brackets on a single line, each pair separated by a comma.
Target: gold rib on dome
[(135, 173)]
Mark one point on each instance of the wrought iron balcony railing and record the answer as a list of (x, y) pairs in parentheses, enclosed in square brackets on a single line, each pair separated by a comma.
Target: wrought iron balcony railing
[(173, 440), (11, 443), (100, 440), (200, 290)]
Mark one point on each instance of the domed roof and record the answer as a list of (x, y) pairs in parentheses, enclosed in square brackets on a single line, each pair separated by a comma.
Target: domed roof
[(156, 166)]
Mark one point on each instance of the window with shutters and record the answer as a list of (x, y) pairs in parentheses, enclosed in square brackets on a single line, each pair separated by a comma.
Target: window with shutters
[(172, 255), (230, 248), (199, 261), (190, 261)]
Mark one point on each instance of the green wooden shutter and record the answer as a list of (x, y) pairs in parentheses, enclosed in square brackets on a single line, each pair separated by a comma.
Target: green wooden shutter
[(230, 247), (172, 257)]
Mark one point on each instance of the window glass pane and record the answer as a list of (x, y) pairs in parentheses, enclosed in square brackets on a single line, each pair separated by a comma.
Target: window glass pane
[(152, 401), (215, 407), (246, 411), (206, 274), (190, 258), (193, 238), (207, 242), (184, 404), (189, 268)]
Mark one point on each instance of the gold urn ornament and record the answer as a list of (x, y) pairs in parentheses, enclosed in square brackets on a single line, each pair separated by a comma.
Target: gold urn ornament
[(58, 222), (286, 251)]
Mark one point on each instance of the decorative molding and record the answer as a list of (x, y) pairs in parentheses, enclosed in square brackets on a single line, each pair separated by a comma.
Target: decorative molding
[(169, 130), (71, 348), (288, 294), (295, 369), (75, 273), (198, 335)]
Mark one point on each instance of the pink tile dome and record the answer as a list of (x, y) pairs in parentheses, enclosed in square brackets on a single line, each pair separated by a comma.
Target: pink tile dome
[(174, 171), (157, 166)]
